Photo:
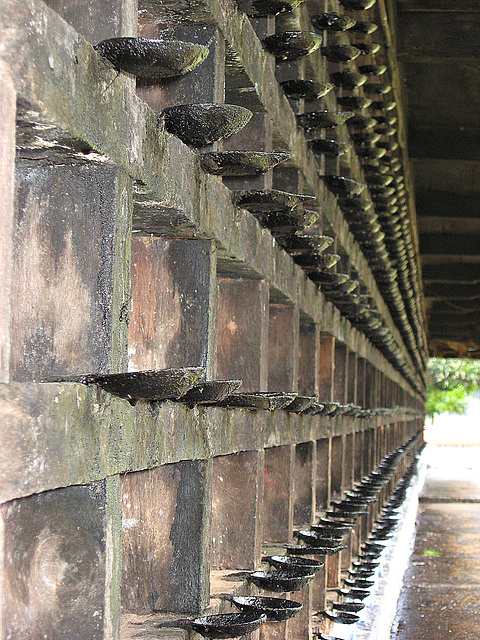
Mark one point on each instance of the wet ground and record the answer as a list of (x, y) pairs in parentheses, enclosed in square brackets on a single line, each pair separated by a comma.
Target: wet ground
[(440, 597)]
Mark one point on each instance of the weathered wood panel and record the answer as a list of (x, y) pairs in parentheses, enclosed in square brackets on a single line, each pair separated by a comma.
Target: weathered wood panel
[(358, 456), (55, 564), (172, 319), (326, 367), (352, 377), (300, 626), (323, 473), (337, 466), (63, 310), (340, 373), (361, 385), (242, 347), (308, 349), (304, 483), (237, 499), (283, 337), (277, 516), (273, 631), (349, 461), (165, 539)]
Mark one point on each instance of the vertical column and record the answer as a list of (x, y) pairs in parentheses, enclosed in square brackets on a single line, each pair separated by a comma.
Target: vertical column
[(380, 433), (242, 348), (361, 382), (71, 259), (237, 479), (283, 339), (113, 561), (367, 444), (373, 448), (349, 440), (390, 437), (337, 466), (358, 469), (326, 367), (166, 536), (340, 373), (352, 387), (308, 358), (300, 625), (288, 179), (343, 265), (380, 388), (264, 26), (381, 446), (322, 493), (173, 308), (58, 548), (370, 388), (7, 172), (279, 470), (271, 631), (304, 483), (377, 387)]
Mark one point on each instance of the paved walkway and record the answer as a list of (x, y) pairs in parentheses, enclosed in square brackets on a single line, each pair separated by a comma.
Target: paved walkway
[(440, 598)]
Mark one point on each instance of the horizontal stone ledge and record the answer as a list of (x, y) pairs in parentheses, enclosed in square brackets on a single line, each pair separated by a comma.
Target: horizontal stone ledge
[(60, 434)]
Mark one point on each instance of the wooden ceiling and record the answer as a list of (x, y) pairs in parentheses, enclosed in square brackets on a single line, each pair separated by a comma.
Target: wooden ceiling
[(438, 48)]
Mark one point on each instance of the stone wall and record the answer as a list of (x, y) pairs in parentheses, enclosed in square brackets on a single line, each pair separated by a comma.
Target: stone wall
[(121, 254)]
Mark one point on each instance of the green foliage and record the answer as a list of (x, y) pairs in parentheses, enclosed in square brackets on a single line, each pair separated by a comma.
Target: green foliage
[(446, 401), (453, 382), (448, 373)]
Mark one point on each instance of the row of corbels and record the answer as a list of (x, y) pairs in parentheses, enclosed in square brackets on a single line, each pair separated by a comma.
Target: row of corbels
[(375, 146), (187, 385), (200, 125), (292, 570)]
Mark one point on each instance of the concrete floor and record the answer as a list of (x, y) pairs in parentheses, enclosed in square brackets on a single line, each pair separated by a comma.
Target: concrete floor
[(440, 597)]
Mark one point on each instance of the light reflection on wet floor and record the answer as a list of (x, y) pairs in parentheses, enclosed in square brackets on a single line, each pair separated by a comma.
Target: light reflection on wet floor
[(441, 593)]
